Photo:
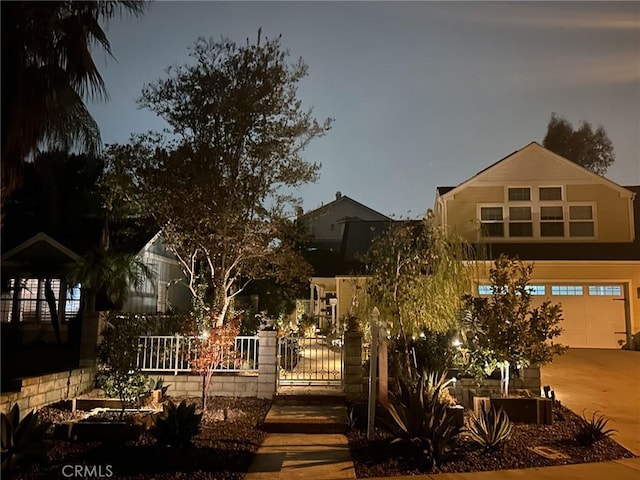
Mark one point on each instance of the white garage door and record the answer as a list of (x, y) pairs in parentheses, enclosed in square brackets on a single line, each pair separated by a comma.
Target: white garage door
[(593, 314)]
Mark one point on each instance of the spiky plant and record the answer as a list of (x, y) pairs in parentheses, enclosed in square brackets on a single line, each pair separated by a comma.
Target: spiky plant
[(177, 425), (491, 428), (422, 420), (22, 440), (593, 429)]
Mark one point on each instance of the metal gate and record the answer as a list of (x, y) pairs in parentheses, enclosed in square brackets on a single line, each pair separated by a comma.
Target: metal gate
[(310, 361)]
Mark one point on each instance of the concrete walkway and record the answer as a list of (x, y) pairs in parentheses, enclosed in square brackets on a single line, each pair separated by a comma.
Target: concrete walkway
[(292, 456)]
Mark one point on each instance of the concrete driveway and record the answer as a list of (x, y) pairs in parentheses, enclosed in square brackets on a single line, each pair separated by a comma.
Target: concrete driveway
[(603, 380)]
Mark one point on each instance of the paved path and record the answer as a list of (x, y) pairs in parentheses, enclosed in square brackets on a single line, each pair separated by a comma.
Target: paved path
[(603, 380), (292, 456)]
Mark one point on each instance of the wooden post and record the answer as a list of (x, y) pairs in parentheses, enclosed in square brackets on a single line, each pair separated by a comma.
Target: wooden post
[(373, 360), (383, 362)]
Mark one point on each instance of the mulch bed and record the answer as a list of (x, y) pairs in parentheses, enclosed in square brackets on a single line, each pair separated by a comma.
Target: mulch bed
[(223, 450), (378, 458)]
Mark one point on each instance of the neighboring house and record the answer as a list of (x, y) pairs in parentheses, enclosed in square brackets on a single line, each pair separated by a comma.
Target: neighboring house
[(25, 268), (581, 230), (328, 227), (166, 288)]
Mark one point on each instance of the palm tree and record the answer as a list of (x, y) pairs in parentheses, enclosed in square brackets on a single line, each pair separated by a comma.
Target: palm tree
[(47, 72), (106, 277)]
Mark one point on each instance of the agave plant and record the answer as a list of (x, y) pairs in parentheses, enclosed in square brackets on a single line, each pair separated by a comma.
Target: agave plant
[(158, 384), (177, 425), (593, 429), (422, 419), (491, 428), (22, 440)]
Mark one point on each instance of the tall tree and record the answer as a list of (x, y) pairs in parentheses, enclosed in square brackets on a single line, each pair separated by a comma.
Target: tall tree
[(418, 276), (584, 146), (47, 72), (218, 182)]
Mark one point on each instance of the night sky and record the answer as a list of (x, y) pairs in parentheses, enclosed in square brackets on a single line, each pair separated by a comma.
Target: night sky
[(423, 93)]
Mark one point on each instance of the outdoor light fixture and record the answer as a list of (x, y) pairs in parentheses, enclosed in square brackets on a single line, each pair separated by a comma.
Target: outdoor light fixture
[(456, 342), (204, 335)]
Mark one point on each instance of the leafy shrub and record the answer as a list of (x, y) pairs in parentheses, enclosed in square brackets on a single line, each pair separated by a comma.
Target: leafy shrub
[(593, 429), (22, 440), (422, 420), (118, 357), (177, 425), (491, 428), (126, 386)]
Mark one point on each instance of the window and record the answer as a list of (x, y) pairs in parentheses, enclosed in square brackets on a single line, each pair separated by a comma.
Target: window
[(161, 303), (550, 193), (605, 290), (72, 302), (566, 290), (581, 221), (519, 194), (485, 290), (535, 289), (25, 301), (492, 221), (520, 224), (551, 221), (6, 301)]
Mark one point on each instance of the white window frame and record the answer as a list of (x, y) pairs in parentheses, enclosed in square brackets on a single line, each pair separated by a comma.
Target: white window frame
[(479, 208), (563, 221), (592, 220), (563, 197), (512, 187), (567, 290), (529, 221), (604, 290)]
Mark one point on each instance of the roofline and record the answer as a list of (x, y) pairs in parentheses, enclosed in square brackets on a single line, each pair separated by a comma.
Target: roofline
[(491, 167), (41, 236), (310, 212)]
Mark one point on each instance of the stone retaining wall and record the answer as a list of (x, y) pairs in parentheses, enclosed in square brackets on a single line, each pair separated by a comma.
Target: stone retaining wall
[(222, 385), (36, 392)]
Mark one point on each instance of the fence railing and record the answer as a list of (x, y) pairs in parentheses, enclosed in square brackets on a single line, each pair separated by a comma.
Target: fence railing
[(174, 353)]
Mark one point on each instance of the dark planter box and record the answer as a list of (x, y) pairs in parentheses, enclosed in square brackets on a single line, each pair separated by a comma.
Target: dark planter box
[(106, 431), (458, 413), (526, 410)]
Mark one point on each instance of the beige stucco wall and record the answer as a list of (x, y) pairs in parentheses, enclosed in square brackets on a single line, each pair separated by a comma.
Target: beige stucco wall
[(461, 209), (612, 211)]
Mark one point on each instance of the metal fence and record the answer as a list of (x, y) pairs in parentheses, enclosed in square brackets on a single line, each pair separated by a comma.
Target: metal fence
[(174, 353)]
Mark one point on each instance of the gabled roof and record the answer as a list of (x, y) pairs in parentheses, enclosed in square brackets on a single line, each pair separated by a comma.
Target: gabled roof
[(40, 254), (341, 199), (450, 191)]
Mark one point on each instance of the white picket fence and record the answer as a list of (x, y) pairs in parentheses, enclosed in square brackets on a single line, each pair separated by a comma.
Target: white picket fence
[(173, 353)]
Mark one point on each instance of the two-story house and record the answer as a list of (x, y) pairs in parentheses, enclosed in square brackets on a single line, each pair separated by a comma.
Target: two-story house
[(581, 231), (327, 227)]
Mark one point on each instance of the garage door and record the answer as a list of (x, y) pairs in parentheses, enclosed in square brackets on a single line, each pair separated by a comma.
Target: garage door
[(593, 314)]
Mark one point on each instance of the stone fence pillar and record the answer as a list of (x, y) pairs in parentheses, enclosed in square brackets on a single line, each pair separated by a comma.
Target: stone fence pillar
[(267, 363), (353, 365)]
